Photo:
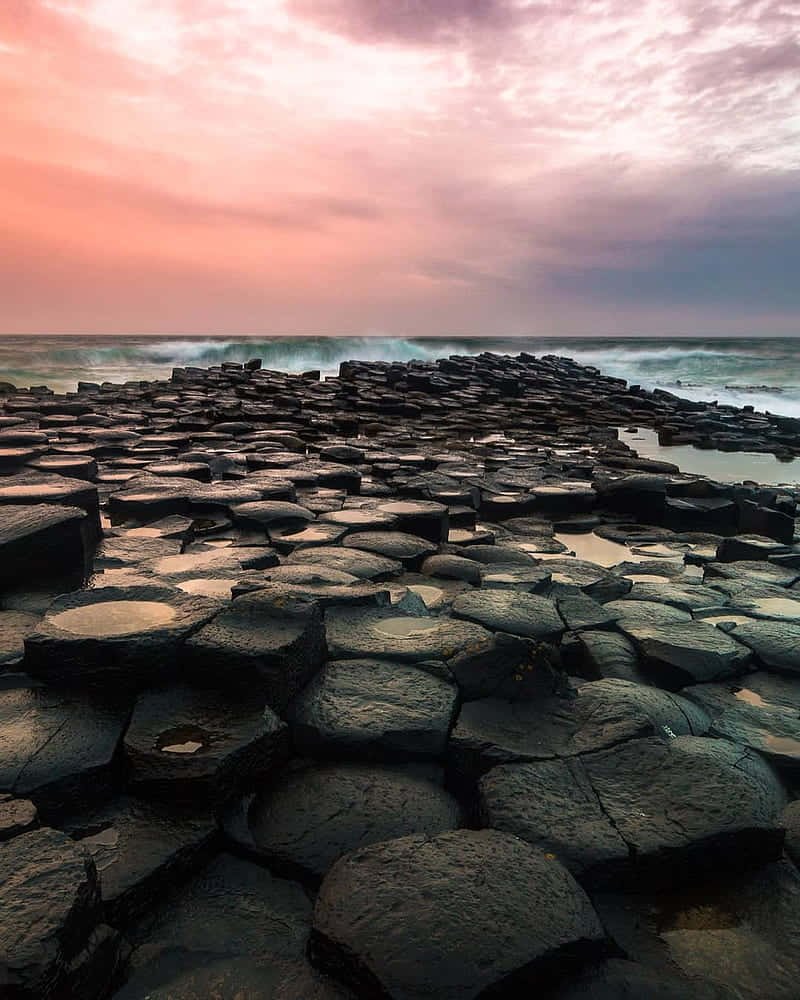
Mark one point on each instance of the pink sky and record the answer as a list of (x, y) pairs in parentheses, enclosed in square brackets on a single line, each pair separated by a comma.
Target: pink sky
[(401, 167)]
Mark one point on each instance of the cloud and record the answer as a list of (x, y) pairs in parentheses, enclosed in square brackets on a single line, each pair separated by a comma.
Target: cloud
[(449, 165), (409, 22)]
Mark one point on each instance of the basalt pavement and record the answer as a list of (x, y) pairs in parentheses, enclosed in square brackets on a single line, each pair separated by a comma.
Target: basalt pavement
[(413, 683)]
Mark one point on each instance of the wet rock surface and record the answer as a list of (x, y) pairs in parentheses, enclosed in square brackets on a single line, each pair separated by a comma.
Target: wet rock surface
[(431, 650), (451, 916), (307, 820)]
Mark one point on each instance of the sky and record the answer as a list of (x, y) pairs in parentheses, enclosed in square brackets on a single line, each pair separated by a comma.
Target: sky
[(400, 167)]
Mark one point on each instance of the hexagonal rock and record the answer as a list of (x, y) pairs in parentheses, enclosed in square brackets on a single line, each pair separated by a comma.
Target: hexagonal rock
[(49, 905), (762, 714), (604, 713), (139, 847), (312, 816), (57, 746), (775, 644), (223, 934), (373, 707), (34, 488), (452, 567), (609, 654), (127, 635), (663, 812), (189, 744), (505, 666), (553, 806), (410, 550), (678, 653), (510, 611), (452, 916), (267, 513), (356, 632), (419, 517), (356, 562), (42, 539), (267, 640), (16, 816)]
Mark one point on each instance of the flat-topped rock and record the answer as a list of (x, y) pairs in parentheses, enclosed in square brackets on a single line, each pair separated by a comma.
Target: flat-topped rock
[(190, 744), (138, 847), (355, 633), (760, 711), (521, 614), (682, 653), (423, 518), (776, 645), (39, 540), (124, 635), (450, 916), (649, 812), (267, 513), (373, 708), (267, 640), (356, 562), (410, 550), (233, 931), (311, 816), (58, 745), (600, 714), (36, 488), (49, 905)]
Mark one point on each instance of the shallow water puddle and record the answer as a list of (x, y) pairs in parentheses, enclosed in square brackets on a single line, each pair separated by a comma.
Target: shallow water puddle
[(183, 740), (207, 587), (776, 607), (405, 628), (723, 466), (110, 618), (751, 697), (593, 548)]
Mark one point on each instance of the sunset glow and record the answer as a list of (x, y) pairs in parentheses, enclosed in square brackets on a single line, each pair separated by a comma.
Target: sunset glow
[(379, 166)]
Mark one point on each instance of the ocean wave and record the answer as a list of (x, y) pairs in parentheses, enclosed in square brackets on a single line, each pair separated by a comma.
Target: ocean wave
[(291, 354)]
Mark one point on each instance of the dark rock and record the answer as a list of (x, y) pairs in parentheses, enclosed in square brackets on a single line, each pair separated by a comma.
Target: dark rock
[(775, 644), (451, 916), (375, 708), (185, 744), (678, 654), (42, 540), (234, 931), (267, 637), (15, 627), (49, 904), (451, 567), (423, 518), (140, 848), (127, 635), (762, 714), (312, 816), (58, 747), (356, 632), (364, 565), (510, 611)]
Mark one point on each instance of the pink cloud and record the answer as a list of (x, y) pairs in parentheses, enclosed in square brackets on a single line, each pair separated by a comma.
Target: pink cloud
[(343, 166)]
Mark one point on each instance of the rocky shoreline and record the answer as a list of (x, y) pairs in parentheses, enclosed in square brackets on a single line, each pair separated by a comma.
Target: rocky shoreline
[(411, 683)]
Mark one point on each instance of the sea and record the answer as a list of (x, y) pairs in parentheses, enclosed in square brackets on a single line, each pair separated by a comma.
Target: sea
[(760, 371)]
